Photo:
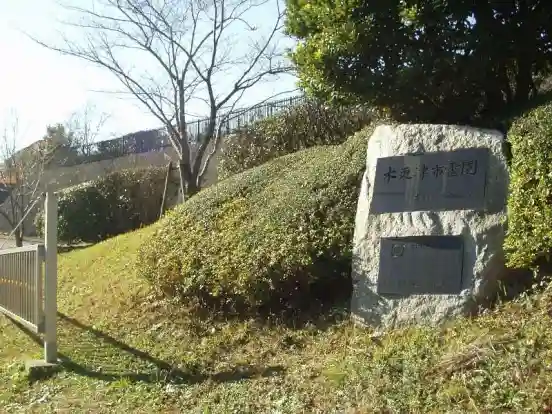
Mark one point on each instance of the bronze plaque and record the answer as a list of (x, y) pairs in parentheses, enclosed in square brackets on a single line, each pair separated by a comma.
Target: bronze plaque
[(434, 181), (420, 265)]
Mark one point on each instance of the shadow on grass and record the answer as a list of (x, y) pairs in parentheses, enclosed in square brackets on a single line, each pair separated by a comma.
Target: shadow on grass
[(320, 316), (160, 371), (316, 314)]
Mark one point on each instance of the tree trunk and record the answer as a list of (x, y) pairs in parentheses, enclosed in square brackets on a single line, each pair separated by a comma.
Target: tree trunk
[(525, 53), (524, 79), (18, 237), (494, 97), (188, 185)]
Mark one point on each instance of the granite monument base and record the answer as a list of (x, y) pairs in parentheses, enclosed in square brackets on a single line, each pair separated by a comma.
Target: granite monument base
[(430, 224)]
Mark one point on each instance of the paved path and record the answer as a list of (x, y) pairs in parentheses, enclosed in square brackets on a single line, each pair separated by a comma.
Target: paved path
[(6, 243)]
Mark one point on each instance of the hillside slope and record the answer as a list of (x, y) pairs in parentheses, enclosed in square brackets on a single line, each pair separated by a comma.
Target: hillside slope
[(274, 238), (125, 349)]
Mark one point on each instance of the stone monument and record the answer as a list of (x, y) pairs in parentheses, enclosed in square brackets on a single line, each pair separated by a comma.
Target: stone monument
[(430, 224)]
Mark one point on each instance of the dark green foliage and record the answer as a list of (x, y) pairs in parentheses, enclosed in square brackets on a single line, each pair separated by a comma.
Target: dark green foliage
[(302, 126), (117, 203), (530, 201), (277, 236), (448, 61)]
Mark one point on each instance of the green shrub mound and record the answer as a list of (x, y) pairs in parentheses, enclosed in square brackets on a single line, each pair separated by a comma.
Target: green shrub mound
[(302, 126), (274, 238), (119, 202), (529, 237)]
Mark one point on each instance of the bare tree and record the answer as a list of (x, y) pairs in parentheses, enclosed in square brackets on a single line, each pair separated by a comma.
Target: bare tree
[(192, 53), (20, 176), (86, 125)]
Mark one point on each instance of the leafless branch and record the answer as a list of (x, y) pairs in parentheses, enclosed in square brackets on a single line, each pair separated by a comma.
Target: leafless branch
[(173, 55), (22, 174), (85, 125)]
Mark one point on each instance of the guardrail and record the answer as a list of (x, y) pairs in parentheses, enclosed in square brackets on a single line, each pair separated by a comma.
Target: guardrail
[(156, 139)]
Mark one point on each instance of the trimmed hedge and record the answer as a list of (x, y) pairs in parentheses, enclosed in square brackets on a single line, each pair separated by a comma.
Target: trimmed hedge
[(275, 237), (529, 236), (117, 203), (303, 126)]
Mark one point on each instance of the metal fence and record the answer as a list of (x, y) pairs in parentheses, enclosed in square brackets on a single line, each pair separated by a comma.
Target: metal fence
[(28, 283), (21, 296), (156, 139)]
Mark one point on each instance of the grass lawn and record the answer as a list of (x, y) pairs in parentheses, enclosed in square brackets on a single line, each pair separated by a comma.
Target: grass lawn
[(124, 350)]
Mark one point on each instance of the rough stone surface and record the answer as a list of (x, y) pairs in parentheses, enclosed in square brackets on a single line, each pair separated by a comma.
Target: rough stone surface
[(482, 230)]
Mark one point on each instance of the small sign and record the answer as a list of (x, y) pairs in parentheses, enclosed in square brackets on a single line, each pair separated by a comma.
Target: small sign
[(436, 181), (420, 265)]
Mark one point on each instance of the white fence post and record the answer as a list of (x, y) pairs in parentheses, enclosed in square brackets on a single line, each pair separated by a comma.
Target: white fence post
[(50, 283)]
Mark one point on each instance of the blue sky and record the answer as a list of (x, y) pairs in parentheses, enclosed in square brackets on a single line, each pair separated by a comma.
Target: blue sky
[(44, 87)]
